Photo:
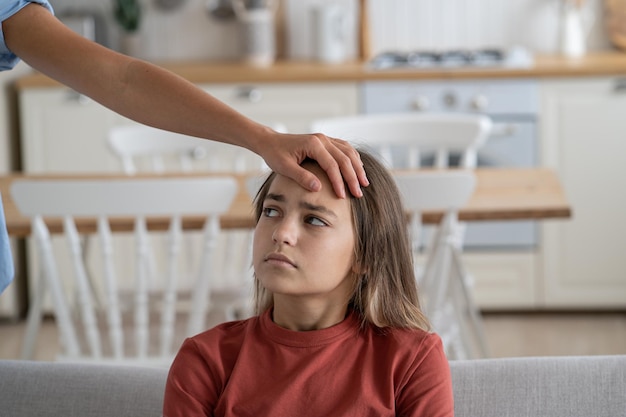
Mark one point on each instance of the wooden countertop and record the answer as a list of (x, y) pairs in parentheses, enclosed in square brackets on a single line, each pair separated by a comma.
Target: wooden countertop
[(594, 64), (501, 194)]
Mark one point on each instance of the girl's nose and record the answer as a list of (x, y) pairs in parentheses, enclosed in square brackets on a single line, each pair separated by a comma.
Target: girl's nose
[(285, 233)]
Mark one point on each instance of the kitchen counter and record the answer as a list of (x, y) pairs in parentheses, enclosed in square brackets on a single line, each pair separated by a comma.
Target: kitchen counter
[(594, 64)]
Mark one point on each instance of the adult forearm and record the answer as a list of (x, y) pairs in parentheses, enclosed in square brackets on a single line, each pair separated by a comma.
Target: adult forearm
[(136, 89), (153, 96)]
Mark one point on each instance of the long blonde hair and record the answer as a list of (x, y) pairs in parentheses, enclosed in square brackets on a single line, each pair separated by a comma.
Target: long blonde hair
[(385, 291)]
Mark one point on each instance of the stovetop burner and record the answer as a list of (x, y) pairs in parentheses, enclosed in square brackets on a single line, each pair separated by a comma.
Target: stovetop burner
[(513, 58)]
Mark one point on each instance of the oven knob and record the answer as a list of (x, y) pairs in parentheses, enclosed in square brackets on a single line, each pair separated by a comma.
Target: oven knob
[(421, 103), (480, 102), (450, 100)]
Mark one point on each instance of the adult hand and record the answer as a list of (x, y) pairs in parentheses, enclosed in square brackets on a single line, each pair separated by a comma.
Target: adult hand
[(337, 157)]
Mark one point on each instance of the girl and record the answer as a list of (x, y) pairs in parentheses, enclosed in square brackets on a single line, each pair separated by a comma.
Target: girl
[(339, 330)]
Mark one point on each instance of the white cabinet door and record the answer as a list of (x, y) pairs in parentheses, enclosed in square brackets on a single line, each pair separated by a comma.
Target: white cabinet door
[(584, 139), (63, 131), (293, 105)]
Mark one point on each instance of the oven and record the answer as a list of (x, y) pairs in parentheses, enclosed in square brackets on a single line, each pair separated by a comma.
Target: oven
[(511, 104)]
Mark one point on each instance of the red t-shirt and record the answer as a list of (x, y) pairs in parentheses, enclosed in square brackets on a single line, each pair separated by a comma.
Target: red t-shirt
[(256, 368)]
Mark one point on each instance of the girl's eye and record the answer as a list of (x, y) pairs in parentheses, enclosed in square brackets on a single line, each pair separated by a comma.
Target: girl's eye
[(314, 221), (270, 212)]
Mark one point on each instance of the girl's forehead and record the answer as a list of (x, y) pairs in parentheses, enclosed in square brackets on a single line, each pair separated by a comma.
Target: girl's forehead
[(287, 190)]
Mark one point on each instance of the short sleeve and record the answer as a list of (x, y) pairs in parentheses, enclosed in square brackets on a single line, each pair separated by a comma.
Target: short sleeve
[(428, 388), (7, 9), (190, 389), (6, 260)]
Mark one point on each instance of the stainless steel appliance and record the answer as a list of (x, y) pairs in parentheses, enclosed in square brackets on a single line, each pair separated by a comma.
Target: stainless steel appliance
[(515, 57), (513, 107)]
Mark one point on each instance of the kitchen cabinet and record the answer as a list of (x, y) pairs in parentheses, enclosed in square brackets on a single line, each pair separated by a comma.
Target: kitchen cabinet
[(584, 138), (292, 105), (63, 131)]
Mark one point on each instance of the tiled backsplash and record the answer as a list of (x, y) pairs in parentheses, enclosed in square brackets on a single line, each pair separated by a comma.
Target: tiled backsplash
[(185, 33), (448, 24), (190, 33)]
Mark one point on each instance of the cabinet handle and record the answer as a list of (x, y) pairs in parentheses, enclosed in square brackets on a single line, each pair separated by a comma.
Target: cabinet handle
[(503, 130), (251, 94), (620, 86), (76, 97), (420, 103)]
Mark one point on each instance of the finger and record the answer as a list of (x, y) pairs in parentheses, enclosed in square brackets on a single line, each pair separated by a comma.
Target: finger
[(306, 179), (330, 158), (355, 165)]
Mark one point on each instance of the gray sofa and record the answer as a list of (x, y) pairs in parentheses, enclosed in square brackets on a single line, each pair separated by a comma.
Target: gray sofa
[(590, 386)]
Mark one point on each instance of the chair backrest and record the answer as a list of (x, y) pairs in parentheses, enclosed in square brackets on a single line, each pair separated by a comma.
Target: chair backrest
[(407, 139), (443, 191), (142, 148), (138, 144), (100, 333), (435, 190)]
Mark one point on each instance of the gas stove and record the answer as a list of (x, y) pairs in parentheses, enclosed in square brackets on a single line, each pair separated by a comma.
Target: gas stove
[(516, 57)]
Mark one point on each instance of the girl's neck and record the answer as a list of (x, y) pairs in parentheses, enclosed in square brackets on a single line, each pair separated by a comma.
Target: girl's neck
[(309, 316)]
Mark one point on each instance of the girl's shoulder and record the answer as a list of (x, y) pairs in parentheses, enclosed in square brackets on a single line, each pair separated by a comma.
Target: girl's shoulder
[(225, 333), (402, 339)]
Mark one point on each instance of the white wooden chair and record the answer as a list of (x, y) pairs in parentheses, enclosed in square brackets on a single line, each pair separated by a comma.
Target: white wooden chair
[(89, 331), (446, 301), (142, 148), (403, 140), (416, 140)]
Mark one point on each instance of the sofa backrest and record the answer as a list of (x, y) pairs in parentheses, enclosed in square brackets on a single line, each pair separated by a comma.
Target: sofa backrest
[(47, 389), (563, 386), (516, 387)]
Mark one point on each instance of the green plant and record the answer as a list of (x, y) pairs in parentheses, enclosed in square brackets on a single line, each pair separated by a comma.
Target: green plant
[(127, 14)]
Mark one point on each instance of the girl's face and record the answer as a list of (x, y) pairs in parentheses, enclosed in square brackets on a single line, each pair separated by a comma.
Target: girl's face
[(304, 241)]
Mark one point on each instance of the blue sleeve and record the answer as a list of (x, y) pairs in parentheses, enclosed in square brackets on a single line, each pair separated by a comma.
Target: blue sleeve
[(6, 259), (7, 9)]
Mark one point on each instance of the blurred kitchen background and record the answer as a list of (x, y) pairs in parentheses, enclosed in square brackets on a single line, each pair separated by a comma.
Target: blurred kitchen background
[(196, 30), (207, 30)]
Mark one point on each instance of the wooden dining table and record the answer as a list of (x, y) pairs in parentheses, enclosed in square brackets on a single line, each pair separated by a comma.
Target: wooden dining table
[(500, 194)]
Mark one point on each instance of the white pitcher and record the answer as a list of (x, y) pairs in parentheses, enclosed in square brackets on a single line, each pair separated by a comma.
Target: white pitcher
[(576, 22), (329, 24), (257, 31)]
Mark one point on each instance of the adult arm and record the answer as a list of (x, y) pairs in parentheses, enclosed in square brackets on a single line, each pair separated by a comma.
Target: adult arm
[(153, 96)]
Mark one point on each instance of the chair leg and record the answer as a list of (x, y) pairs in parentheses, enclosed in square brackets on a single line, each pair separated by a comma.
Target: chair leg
[(85, 257), (33, 320), (470, 307)]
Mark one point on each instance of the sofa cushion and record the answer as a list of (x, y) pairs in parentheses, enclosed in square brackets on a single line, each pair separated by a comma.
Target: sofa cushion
[(513, 387), (39, 389), (547, 386)]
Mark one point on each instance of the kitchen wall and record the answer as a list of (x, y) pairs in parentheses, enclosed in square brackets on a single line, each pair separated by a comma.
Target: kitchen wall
[(447, 24), (187, 32), (190, 33)]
